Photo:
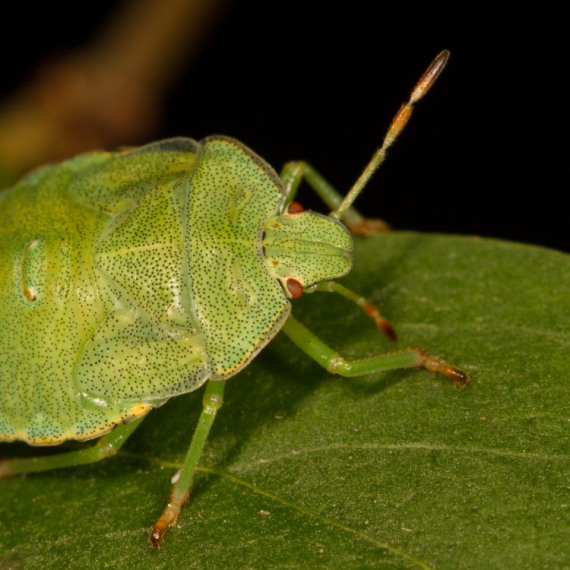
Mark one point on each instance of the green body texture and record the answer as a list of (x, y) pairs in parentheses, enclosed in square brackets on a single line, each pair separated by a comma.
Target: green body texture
[(129, 278)]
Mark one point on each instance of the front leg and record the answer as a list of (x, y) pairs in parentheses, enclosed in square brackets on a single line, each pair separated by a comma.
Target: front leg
[(336, 364)]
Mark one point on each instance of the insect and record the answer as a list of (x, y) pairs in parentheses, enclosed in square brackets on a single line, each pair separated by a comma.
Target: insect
[(128, 278)]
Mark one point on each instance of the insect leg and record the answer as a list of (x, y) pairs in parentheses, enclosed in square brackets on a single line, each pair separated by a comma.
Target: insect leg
[(107, 446), (212, 401), (381, 322), (294, 172), (336, 364)]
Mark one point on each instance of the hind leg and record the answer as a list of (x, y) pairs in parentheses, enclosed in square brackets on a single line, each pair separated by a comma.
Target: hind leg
[(107, 446)]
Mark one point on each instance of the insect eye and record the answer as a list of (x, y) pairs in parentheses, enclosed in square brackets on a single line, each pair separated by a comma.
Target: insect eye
[(294, 208), (294, 287)]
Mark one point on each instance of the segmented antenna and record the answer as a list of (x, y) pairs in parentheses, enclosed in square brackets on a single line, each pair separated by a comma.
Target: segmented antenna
[(398, 123)]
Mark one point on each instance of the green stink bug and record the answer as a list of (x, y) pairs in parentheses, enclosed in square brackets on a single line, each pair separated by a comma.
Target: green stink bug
[(129, 278)]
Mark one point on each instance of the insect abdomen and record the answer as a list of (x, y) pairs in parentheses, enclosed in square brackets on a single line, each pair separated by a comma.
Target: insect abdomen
[(57, 292), (50, 305)]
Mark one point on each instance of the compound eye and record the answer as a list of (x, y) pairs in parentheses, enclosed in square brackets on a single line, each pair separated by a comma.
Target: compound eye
[(294, 208), (294, 287)]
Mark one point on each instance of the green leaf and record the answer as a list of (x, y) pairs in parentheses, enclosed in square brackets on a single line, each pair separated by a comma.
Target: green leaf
[(393, 470)]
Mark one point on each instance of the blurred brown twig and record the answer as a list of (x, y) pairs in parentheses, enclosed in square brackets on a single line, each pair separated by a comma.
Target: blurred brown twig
[(109, 93)]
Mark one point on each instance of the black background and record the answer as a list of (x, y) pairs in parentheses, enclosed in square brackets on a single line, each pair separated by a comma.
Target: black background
[(485, 152)]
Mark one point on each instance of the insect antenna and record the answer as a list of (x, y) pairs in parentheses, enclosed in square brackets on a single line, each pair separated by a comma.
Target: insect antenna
[(398, 124)]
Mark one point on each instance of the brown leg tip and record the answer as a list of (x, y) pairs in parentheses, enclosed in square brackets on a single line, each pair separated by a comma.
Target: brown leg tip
[(457, 376), (382, 323), (167, 519), (387, 329), (155, 538), (440, 367)]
